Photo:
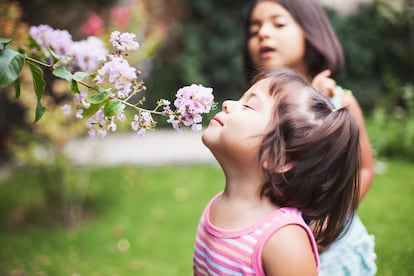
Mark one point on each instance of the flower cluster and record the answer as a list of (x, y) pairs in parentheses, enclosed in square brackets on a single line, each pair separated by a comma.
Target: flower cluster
[(108, 83), (84, 55), (191, 101)]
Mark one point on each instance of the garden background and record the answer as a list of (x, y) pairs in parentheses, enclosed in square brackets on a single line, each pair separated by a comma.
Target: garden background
[(61, 219)]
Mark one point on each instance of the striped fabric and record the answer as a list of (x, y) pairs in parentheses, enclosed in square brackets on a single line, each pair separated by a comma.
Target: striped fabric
[(227, 252)]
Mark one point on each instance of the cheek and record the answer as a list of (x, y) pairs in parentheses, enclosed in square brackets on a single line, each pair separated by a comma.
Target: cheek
[(253, 51), (296, 43)]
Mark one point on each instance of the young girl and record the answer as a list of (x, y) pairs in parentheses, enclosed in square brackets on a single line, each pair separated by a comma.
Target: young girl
[(287, 163), (297, 34)]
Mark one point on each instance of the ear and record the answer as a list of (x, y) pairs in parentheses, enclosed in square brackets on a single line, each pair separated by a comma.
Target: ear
[(280, 169)]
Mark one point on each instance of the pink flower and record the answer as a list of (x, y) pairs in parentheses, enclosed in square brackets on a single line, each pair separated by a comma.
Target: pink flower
[(67, 109), (124, 41), (142, 122), (93, 26), (88, 53), (118, 72), (59, 40), (120, 15), (191, 101)]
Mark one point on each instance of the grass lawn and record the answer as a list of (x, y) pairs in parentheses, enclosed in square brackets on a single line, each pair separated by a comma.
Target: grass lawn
[(144, 221)]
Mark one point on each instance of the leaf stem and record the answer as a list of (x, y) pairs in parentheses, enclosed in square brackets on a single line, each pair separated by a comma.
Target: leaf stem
[(140, 108), (38, 62)]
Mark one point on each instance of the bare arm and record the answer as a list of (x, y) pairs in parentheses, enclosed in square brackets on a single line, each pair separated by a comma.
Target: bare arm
[(367, 159), (327, 85), (289, 253)]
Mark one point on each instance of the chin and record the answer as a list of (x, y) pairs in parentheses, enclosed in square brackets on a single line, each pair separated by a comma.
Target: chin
[(209, 140), (205, 137)]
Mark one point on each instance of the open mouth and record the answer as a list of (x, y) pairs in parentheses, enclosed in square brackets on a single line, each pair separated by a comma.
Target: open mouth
[(266, 51)]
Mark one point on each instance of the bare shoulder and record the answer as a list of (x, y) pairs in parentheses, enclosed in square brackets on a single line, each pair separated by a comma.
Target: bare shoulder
[(289, 252), (349, 101)]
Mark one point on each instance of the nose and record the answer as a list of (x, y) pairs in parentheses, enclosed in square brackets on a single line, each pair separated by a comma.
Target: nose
[(265, 30), (227, 106)]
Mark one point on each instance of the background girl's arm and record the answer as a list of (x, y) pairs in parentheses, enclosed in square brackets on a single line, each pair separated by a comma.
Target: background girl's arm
[(327, 85), (367, 159)]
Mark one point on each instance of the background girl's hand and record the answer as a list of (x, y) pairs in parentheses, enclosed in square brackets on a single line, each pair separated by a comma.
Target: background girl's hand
[(324, 83)]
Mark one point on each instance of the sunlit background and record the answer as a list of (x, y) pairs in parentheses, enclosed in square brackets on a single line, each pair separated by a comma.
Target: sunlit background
[(62, 215)]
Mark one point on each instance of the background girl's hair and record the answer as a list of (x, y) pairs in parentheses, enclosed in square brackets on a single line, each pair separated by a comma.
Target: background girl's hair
[(323, 49), (312, 154)]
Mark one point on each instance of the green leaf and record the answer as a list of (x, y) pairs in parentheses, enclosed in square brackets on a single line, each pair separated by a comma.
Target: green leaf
[(91, 110), (112, 108), (77, 77), (55, 57), (63, 73), (39, 87), (33, 43), (101, 97), (80, 76), (17, 88), (93, 75), (11, 65), (65, 59), (74, 86), (4, 42)]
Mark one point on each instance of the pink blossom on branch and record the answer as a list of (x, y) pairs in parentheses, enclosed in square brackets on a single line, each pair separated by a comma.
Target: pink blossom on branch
[(86, 54), (118, 72), (191, 101), (124, 41), (59, 40), (112, 82)]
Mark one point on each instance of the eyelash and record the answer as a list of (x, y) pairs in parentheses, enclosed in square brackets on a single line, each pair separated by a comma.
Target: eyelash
[(252, 34)]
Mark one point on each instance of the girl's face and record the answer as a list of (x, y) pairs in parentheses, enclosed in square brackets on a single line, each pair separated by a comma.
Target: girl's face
[(275, 39), (238, 130)]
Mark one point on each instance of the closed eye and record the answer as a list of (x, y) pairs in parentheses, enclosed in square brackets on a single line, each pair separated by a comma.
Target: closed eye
[(247, 106)]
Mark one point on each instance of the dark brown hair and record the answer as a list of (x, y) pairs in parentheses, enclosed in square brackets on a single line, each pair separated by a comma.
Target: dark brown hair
[(312, 155), (323, 50)]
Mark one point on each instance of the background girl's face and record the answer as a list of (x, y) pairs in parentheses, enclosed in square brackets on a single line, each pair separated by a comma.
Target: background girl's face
[(275, 39)]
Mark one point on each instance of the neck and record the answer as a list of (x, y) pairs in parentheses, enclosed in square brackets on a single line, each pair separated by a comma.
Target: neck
[(243, 181), (302, 69)]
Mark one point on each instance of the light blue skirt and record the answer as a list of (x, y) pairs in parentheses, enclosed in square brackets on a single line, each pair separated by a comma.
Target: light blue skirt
[(352, 255)]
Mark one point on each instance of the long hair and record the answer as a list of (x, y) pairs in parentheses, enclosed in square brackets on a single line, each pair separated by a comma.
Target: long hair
[(312, 154), (323, 49)]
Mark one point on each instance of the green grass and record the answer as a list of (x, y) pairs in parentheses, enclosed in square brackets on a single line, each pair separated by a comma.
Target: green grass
[(144, 221), (144, 224), (387, 211)]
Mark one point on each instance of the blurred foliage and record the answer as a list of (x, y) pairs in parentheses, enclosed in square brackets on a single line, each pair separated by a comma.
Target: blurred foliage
[(205, 48), (62, 14), (200, 42), (18, 132), (39, 146), (55, 128), (11, 112), (378, 41), (392, 130), (10, 24)]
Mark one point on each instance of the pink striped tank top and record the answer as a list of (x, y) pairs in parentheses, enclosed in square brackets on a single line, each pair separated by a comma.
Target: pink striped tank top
[(239, 252)]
